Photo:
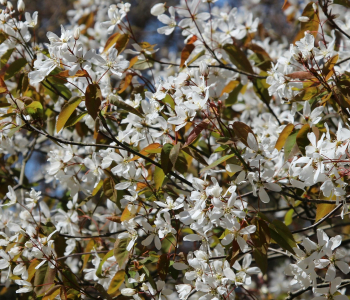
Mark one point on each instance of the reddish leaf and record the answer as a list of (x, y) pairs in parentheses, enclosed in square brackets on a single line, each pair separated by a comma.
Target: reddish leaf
[(93, 99), (195, 132), (187, 50)]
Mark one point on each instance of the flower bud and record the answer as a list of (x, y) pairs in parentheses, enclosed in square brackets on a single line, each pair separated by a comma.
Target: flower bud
[(9, 6), (3, 2), (20, 6), (76, 33), (314, 6), (303, 19), (158, 9), (128, 292)]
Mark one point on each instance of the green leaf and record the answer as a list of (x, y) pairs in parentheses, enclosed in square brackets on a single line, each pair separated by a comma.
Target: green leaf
[(67, 110), (261, 89), (75, 119), (283, 136), (99, 269), (120, 253), (58, 87), (44, 279), (289, 144), (116, 282), (35, 108), (345, 3), (165, 158), (93, 99), (124, 106), (6, 56), (238, 58), (174, 153), (158, 177), (217, 162), (301, 138), (282, 235), (15, 67), (288, 218)]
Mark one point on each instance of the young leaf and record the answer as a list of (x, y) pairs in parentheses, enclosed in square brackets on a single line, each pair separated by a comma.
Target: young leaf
[(116, 282), (238, 58), (93, 99), (217, 162), (111, 41), (66, 112), (283, 136), (187, 50), (196, 131), (120, 253), (15, 67), (242, 131), (165, 158), (301, 138), (158, 177), (311, 25)]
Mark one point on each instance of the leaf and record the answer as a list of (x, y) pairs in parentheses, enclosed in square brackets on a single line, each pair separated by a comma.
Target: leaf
[(163, 266), (99, 268), (311, 25), (306, 94), (289, 144), (261, 90), (238, 58), (301, 138), (123, 105), (152, 148), (125, 83), (345, 3), (187, 50), (111, 41), (174, 153), (52, 293), (109, 190), (260, 259), (217, 162), (15, 67), (288, 218), (283, 136), (121, 43), (158, 177), (195, 132), (3, 87), (97, 188), (120, 253), (282, 235), (35, 108), (196, 57), (230, 87), (300, 75), (242, 131), (75, 119), (44, 279), (324, 208), (165, 158), (328, 69), (93, 99), (66, 112), (196, 155), (31, 269), (5, 57), (116, 282), (102, 291)]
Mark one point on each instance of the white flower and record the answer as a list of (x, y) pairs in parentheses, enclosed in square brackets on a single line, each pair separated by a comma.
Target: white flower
[(169, 21), (158, 9)]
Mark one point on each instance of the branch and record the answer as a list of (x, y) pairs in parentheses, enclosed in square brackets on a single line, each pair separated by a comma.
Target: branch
[(91, 237), (319, 221)]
